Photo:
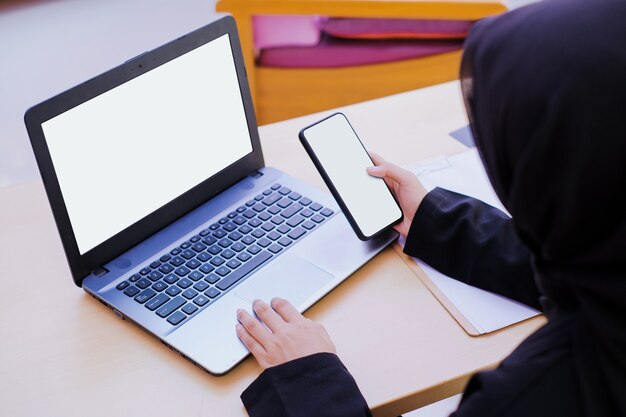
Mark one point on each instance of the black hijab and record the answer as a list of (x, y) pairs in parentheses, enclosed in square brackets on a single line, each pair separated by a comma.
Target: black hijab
[(545, 90)]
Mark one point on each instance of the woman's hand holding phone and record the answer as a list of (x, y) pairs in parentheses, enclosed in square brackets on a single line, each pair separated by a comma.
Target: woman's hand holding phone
[(405, 186)]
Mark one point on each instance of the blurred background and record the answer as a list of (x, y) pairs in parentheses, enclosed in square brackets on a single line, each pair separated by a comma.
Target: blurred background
[(49, 46)]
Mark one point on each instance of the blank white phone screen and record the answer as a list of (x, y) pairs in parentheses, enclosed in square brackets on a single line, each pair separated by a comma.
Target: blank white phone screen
[(345, 160)]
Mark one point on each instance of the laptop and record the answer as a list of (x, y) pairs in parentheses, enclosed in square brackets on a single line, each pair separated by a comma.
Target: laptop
[(166, 211)]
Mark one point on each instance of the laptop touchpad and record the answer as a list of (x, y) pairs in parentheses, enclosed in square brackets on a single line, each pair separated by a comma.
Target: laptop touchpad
[(291, 278)]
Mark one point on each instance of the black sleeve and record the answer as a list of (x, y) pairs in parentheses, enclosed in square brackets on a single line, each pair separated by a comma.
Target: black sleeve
[(317, 385), (472, 242)]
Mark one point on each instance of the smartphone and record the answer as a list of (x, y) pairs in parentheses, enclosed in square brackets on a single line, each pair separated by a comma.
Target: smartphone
[(341, 159)]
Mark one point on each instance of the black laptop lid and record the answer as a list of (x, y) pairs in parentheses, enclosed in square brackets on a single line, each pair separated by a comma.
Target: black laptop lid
[(128, 152)]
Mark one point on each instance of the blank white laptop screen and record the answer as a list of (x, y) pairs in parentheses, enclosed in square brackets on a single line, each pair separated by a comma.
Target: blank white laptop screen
[(129, 151)]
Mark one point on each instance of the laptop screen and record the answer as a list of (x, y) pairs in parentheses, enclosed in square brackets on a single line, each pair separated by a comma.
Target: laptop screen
[(127, 152)]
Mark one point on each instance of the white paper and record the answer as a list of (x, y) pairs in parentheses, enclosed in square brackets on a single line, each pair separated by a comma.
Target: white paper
[(464, 173)]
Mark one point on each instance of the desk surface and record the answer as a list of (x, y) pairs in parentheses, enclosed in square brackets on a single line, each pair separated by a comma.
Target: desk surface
[(65, 354)]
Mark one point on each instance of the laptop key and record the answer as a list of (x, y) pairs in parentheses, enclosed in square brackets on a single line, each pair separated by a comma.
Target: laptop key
[(159, 286), (245, 229), (274, 210), (195, 275), (239, 220), (189, 308), (255, 222), (201, 286), (205, 232), (277, 220), (228, 253), (212, 292), (295, 220), (315, 206), (271, 199), (219, 233), (209, 240), (143, 283), (122, 285), (305, 201), (214, 226), (285, 202), (284, 229), (232, 214), (285, 241), (175, 251), (267, 226), (250, 203), (206, 268), (248, 214), (144, 296), (182, 271), (284, 190), (157, 302), (258, 208), (212, 278), (145, 271), (171, 278), (244, 270), (184, 283), (263, 242), (241, 209), (229, 227), (259, 197), (306, 213), (134, 277), (308, 225), (254, 249), (195, 239), (238, 247), (172, 305), (203, 257), (267, 192), (201, 300), (294, 196), (165, 258), (176, 318), (188, 254), (177, 261), (265, 216), (235, 236), (258, 233), (131, 291), (291, 211), (199, 247), (327, 212), (274, 235), (190, 293), (317, 218), (233, 264), (166, 268), (217, 261), (274, 248), (296, 233), (248, 240), (185, 245), (215, 249), (193, 264), (222, 271), (223, 220), (155, 276), (276, 186), (173, 290), (225, 242), (155, 264), (244, 256)]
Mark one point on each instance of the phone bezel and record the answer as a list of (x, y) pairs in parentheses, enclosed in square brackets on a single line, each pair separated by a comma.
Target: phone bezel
[(331, 186)]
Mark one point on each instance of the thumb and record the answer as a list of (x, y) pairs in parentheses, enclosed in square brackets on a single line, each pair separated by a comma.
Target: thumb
[(391, 172)]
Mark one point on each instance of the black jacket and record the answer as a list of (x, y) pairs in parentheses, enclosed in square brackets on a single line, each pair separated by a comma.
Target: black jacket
[(481, 249)]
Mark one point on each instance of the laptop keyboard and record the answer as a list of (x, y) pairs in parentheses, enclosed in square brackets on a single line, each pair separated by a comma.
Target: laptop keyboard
[(179, 283)]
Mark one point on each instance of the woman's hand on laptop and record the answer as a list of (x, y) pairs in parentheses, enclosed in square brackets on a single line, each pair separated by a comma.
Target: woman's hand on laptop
[(405, 186), (288, 335)]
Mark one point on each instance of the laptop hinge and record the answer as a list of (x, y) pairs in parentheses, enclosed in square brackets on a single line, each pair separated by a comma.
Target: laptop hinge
[(256, 174), (100, 271)]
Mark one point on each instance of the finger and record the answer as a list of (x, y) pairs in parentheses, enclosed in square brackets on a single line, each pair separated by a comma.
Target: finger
[(378, 160), (249, 342), (287, 311), (268, 315), (392, 172), (254, 327)]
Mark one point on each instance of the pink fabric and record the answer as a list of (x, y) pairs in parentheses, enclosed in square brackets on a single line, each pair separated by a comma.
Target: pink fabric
[(396, 28), (332, 53), (277, 31)]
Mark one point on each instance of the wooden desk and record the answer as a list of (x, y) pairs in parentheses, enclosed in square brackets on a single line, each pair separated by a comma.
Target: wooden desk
[(65, 354)]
